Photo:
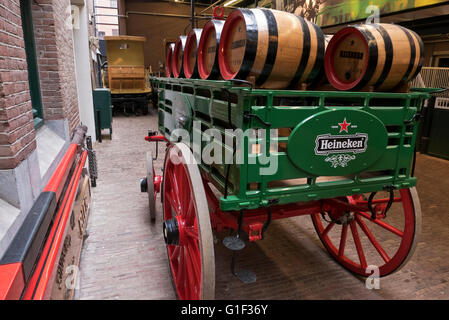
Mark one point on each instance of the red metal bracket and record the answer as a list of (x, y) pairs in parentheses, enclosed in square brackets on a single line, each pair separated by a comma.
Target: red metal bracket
[(158, 138), (157, 183), (220, 14), (255, 231)]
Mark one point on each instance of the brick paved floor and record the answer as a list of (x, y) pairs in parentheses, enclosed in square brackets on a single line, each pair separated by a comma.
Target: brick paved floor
[(125, 258)]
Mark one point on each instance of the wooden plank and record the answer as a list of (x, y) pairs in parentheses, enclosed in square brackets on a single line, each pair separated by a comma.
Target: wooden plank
[(67, 269)]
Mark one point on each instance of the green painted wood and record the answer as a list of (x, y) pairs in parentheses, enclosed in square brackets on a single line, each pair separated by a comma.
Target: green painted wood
[(103, 104), (381, 116)]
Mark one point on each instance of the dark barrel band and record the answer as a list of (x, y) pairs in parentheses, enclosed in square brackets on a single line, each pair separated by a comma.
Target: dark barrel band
[(412, 54), (318, 69), (251, 44), (421, 53), (372, 59), (305, 51), (388, 55), (272, 47)]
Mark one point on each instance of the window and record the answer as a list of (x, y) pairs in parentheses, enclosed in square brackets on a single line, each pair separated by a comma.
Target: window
[(106, 17), (33, 71)]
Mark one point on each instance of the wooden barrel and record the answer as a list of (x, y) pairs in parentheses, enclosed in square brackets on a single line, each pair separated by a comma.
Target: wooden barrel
[(190, 54), (168, 60), (373, 57), (208, 50), (275, 48), (177, 58)]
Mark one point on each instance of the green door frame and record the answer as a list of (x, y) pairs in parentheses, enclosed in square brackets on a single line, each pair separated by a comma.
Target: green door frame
[(33, 71)]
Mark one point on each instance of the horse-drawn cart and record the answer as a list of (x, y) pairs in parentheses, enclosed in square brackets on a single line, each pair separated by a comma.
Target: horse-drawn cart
[(238, 158)]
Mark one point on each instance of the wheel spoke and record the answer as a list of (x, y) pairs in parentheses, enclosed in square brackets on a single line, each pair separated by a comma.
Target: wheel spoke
[(179, 177), (191, 275), (175, 253), (189, 214), (344, 233), (191, 232), (328, 228), (358, 245), (373, 240), (175, 189), (173, 203), (180, 277), (382, 224), (195, 266)]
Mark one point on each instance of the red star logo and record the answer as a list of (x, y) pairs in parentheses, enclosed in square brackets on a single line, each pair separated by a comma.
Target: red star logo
[(344, 126)]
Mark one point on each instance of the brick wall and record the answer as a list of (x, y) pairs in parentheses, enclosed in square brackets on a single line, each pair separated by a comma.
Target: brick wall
[(54, 46), (17, 135)]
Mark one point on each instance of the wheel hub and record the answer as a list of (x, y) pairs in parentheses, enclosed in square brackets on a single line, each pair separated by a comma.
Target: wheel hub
[(171, 231), (346, 218)]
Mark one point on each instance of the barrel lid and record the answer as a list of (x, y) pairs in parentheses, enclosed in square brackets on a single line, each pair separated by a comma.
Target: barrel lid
[(177, 56), (335, 71), (216, 27), (226, 70), (190, 54)]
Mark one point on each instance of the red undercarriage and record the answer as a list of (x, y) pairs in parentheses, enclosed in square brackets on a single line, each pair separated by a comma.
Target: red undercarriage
[(254, 219)]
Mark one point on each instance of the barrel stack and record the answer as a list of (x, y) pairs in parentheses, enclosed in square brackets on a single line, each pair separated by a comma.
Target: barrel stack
[(279, 50), (208, 66), (273, 49), (373, 57)]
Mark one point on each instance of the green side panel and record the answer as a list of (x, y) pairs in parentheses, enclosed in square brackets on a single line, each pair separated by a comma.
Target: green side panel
[(103, 104), (376, 131)]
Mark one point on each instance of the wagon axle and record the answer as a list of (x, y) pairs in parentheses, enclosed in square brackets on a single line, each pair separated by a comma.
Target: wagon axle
[(171, 231)]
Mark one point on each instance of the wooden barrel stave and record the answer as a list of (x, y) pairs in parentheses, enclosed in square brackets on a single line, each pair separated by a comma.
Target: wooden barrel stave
[(274, 48)]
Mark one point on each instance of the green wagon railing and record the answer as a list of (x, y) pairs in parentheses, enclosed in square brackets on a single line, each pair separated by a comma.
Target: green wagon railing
[(332, 144)]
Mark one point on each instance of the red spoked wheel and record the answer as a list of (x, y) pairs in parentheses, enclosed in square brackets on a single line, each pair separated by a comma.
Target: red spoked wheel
[(187, 228), (361, 244)]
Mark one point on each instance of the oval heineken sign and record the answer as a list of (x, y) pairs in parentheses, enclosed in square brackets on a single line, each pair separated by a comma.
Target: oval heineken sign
[(337, 142)]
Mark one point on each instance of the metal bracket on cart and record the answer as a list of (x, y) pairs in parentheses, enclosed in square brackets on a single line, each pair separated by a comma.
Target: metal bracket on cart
[(235, 244), (383, 214), (416, 117), (153, 136)]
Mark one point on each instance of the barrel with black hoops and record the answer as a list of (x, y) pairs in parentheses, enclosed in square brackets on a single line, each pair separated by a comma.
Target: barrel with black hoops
[(190, 54), (276, 49), (168, 60), (178, 57), (373, 57), (208, 67)]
